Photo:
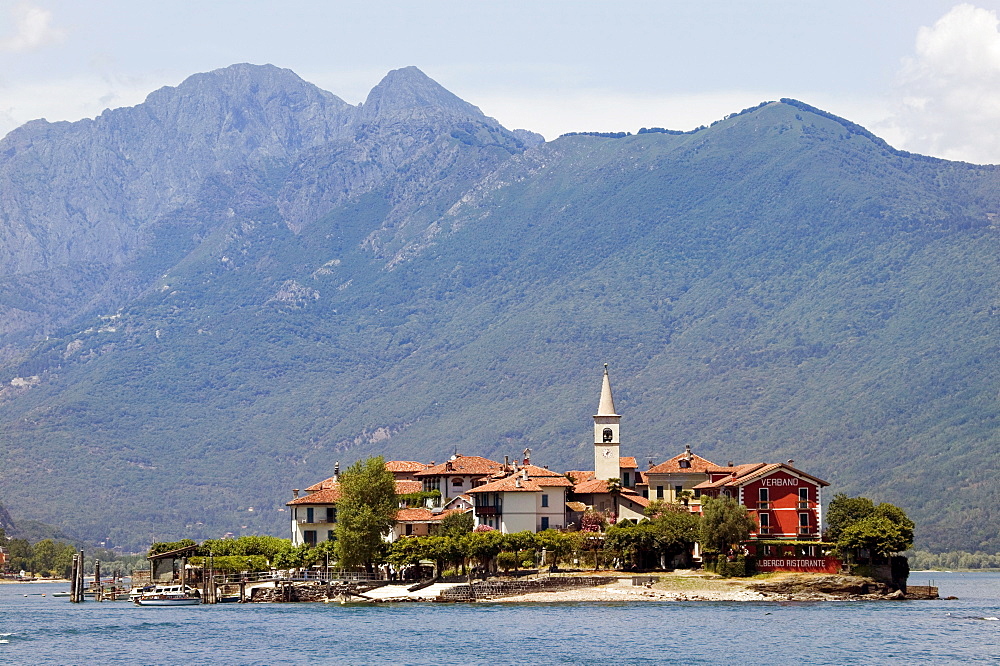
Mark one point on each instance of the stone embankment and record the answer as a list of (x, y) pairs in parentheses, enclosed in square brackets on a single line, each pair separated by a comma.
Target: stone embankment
[(821, 587), (494, 589)]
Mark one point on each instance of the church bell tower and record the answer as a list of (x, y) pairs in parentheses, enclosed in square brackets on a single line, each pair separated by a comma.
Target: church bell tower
[(606, 438)]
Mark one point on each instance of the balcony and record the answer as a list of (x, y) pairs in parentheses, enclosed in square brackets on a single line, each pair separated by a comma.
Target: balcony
[(806, 504), (488, 510), (805, 531), (765, 506), (763, 530)]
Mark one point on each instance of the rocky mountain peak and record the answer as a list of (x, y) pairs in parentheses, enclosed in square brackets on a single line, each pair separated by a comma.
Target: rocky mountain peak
[(409, 94)]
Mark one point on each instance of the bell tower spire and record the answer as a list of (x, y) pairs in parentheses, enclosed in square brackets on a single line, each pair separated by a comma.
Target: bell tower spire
[(606, 438)]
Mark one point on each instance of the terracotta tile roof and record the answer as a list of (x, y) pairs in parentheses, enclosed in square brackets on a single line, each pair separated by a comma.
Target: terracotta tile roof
[(405, 487), (749, 472), (699, 465), (422, 515), (468, 465), (740, 470), (391, 465), (773, 467), (637, 498), (553, 482), (627, 463), (405, 466), (328, 492), (511, 484), (324, 496), (326, 483), (591, 486), (536, 471), (581, 476)]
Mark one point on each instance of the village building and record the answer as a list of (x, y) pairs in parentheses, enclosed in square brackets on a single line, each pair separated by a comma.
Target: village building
[(405, 470), (457, 475), (531, 498), (314, 515), (419, 521), (784, 501), (513, 497), (676, 480)]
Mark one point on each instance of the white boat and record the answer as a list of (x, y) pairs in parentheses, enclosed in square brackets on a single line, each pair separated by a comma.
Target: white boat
[(167, 600), (165, 595)]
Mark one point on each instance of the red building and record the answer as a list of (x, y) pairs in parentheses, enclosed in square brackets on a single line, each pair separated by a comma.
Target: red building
[(784, 501)]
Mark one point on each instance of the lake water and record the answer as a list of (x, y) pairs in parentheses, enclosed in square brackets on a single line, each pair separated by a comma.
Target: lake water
[(44, 630)]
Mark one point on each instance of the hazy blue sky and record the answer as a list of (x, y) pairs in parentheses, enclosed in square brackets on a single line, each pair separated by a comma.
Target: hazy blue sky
[(924, 74)]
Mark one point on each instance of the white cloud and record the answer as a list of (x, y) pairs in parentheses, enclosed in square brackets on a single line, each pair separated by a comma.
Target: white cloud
[(947, 98), (65, 99), (32, 28)]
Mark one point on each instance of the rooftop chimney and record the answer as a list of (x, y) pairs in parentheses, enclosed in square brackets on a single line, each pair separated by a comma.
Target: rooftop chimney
[(790, 461), (506, 463), (527, 456), (517, 482), (295, 493), (336, 471), (730, 463), (524, 474)]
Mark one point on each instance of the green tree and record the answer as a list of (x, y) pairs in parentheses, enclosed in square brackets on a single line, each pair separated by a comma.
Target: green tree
[(43, 556), (885, 531), (845, 511), (724, 524), (20, 555), (557, 545), (456, 524), (482, 546), (678, 529), (365, 512)]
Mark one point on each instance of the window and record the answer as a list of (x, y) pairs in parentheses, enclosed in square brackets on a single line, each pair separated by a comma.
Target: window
[(625, 480), (609, 435), (329, 535), (545, 500), (762, 494), (457, 481), (685, 463), (677, 490), (803, 520), (309, 536), (295, 513), (409, 529), (331, 514), (659, 492), (697, 493), (765, 520), (545, 522), (803, 494), (645, 493), (311, 517)]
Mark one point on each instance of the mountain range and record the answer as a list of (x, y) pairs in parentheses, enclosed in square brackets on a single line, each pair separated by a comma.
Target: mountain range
[(209, 298)]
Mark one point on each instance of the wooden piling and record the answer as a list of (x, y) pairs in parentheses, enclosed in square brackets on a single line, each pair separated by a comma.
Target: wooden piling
[(80, 588), (72, 579), (99, 591)]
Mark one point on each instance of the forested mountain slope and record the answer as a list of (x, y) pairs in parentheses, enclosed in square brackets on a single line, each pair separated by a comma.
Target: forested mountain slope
[(407, 277)]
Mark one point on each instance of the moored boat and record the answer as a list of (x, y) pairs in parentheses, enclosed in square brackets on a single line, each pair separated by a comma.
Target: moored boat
[(165, 595), (169, 599)]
